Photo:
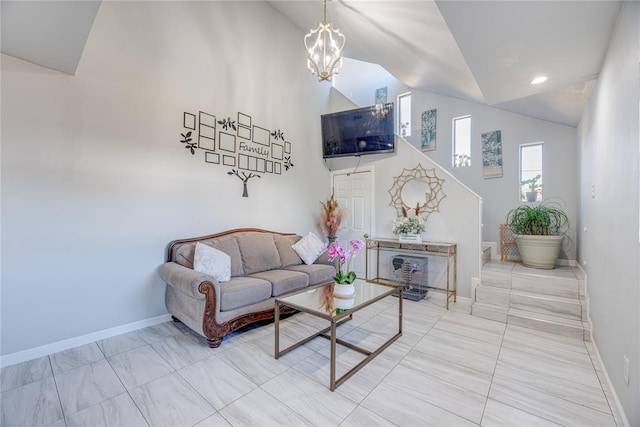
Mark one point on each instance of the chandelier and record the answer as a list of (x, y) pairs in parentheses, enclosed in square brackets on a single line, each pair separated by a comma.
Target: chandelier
[(324, 48)]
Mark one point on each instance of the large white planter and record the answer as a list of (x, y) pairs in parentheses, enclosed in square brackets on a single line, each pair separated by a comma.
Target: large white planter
[(539, 251)]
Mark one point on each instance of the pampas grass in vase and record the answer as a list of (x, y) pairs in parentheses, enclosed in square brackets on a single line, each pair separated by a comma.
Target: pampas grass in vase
[(331, 218)]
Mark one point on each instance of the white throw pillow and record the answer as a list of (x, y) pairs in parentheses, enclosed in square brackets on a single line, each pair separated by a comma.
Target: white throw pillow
[(213, 262), (309, 248)]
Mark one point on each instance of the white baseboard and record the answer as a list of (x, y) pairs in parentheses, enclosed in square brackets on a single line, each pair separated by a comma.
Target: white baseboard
[(619, 414), (45, 350), (475, 282)]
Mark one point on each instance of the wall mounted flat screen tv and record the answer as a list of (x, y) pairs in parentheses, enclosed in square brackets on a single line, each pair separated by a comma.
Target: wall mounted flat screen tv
[(368, 130)]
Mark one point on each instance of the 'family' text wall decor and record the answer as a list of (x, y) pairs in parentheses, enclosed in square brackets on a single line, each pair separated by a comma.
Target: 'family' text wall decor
[(238, 143), (492, 154)]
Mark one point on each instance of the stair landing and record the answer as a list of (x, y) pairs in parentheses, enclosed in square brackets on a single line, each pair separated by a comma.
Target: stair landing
[(551, 301)]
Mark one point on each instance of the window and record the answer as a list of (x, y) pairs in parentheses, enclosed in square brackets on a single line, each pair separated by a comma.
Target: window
[(404, 114), (462, 141), (531, 172)]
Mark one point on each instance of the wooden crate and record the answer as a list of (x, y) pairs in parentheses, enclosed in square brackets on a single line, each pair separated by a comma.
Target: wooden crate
[(508, 248)]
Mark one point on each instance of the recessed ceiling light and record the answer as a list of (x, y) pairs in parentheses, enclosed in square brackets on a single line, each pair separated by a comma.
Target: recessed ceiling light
[(539, 79)]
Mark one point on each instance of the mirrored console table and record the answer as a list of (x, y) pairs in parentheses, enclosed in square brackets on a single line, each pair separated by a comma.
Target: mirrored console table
[(375, 246)]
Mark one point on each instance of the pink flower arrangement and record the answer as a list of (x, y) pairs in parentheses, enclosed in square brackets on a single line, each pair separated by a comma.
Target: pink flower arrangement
[(345, 255)]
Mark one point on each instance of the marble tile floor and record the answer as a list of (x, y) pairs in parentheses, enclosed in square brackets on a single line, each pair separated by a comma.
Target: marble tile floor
[(448, 368)]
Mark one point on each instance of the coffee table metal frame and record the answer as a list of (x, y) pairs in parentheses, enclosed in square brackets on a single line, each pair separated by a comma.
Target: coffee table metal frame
[(336, 320)]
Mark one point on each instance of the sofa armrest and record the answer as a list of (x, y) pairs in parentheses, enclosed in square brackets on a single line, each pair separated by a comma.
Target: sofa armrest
[(185, 279)]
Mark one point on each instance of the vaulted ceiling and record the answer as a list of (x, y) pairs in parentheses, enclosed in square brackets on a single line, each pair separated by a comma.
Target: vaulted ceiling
[(481, 51), (47, 33)]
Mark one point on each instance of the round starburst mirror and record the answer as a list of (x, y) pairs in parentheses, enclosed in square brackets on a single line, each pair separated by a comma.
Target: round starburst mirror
[(417, 188)]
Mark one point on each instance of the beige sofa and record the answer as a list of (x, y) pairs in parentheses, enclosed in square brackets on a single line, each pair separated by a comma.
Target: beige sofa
[(263, 266)]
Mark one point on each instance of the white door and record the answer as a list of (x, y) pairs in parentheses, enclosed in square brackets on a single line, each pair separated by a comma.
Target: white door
[(353, 192)]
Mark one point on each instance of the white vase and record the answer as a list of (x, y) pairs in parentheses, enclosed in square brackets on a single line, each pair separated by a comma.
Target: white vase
[(344, 303), (410, 238), (343, 290)]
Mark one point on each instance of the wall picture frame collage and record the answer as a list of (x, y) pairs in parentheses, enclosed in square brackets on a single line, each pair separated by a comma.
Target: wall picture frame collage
[(238, 143)]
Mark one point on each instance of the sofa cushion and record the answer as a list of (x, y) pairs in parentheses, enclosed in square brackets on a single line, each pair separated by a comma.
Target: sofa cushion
[(184, 255), (283, 281), (287, 255), (310, 247), (229, 245), (259, 252), (213, 262), (242, 291), (318, 273)]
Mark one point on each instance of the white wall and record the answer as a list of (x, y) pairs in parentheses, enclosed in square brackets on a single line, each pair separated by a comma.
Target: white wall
[(358, 81), (502, 194), (95, 182), (609, 141)]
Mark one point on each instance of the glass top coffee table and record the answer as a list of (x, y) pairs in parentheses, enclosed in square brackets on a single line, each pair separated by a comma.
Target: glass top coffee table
[(321, 302)]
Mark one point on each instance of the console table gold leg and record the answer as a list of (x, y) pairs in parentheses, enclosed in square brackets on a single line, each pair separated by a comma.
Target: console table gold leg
[(455, 276), (448, 273), (332, 384), (377, 261), (400, 298)]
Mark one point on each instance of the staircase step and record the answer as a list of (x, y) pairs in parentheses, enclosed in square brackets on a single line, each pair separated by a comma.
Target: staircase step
[(486, 254), (489, 311), (569, 308), (547, 323), (497, 273), (561, 281), (492, 295)]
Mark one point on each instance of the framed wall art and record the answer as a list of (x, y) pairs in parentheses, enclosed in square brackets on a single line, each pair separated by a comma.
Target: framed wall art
[(428, 130), (381, 95), (492, 154)]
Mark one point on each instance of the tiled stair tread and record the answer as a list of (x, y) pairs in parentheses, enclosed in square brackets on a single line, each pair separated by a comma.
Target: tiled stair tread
[(491, 307), (547, 318), (558, 298), (552, 301), (489, 312), (545, 279), (569, 288), (496, 265), (566, 273), (492, 295), (491, 288), (486, 254)]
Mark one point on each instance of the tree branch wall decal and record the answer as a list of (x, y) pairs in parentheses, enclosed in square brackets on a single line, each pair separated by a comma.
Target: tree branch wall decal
[(245, 179)]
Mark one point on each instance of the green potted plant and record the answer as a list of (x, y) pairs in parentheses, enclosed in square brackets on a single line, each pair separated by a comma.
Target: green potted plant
[(534, 188), (539, 231)]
